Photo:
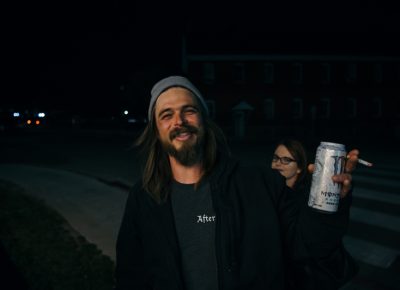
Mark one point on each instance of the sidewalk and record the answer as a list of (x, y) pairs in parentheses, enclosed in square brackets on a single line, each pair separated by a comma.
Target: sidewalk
[(91, 176), (93, 208)]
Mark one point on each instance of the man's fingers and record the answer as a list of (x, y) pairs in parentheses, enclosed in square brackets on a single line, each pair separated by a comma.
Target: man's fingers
[(345, 180), (352, 160)]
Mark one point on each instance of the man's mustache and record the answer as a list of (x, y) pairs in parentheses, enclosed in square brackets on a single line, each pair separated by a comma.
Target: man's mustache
[(182, 129)]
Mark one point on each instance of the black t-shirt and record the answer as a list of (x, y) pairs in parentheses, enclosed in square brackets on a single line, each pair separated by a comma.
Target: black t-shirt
[(195, 225)]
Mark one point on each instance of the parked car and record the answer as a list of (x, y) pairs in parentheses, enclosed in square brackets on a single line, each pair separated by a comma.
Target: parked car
[(15, 119)]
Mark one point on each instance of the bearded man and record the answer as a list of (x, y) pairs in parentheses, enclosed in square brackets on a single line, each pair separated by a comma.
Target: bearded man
[(199, 220)]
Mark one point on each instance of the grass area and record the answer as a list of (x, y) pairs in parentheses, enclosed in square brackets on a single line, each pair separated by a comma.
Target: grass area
[(45, 250)]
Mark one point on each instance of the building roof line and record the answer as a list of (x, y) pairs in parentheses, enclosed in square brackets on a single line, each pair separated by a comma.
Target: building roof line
[(287, 57)]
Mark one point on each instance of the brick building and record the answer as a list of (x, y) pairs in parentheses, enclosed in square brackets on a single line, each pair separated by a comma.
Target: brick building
[(301, 95)]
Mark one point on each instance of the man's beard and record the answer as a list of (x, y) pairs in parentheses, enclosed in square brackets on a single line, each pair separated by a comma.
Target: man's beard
[(188, 154)]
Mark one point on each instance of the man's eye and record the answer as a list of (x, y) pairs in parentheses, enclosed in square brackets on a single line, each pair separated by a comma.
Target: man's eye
[(166, 116), (190, 111)]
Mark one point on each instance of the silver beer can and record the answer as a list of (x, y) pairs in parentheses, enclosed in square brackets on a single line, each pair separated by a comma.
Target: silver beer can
[(330, 160)]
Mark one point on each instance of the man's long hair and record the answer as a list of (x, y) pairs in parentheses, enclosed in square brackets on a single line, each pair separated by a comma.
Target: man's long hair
[(157, 174)]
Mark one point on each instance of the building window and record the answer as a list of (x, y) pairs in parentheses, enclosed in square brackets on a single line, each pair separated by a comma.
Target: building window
[(269, 109), (398, 72), (297, 108), (269, 73), (238, 72), (297, 73), (208, 73), (325, 73), (351, 72), (211, 108), (376, 107), (325, 108), (378, 73), (351, 108)]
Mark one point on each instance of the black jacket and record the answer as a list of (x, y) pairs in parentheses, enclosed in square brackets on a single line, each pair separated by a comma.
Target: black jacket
[(264, 239)]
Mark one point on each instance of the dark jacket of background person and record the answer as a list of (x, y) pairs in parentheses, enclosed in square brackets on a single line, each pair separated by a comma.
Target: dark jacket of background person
[(315, 274), (329, 273), (260, 229)]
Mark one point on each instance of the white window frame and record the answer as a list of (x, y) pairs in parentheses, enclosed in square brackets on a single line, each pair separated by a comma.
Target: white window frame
[(269, 108), (325, 108), (297, 113), (326, 73), (398, 72), (238, 73), (212, 108), (378, 73), (208, 72), (297, 73), (351, 72), (269, 73), (351, 106), (376, 107)]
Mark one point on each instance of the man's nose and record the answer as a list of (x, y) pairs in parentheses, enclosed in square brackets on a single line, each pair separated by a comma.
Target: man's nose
[(179, 119)]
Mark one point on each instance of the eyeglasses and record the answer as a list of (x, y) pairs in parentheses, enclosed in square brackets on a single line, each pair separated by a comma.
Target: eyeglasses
[(284, 160)]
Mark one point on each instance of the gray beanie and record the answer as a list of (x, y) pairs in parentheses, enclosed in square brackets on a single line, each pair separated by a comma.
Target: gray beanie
[(169, 82)]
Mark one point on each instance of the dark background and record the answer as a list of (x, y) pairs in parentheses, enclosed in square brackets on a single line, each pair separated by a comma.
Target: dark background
[(78, 54), (77, 57)]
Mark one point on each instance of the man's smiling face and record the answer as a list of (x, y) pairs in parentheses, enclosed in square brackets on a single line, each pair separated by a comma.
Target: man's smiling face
[(179, 125)]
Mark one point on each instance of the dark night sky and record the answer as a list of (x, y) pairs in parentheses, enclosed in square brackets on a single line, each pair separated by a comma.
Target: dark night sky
[(63, 52)]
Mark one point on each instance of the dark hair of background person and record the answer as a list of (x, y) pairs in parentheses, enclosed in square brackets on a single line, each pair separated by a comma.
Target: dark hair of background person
[(299, 153)]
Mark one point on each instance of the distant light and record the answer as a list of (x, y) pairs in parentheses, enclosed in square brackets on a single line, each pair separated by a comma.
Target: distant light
[(37, 122), (29, 122), (41, 115), (126, 112), (132, 120), (16, 114)]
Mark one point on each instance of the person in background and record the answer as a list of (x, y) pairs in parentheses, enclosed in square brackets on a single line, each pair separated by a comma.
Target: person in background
[(290, 159), (198, 219)]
